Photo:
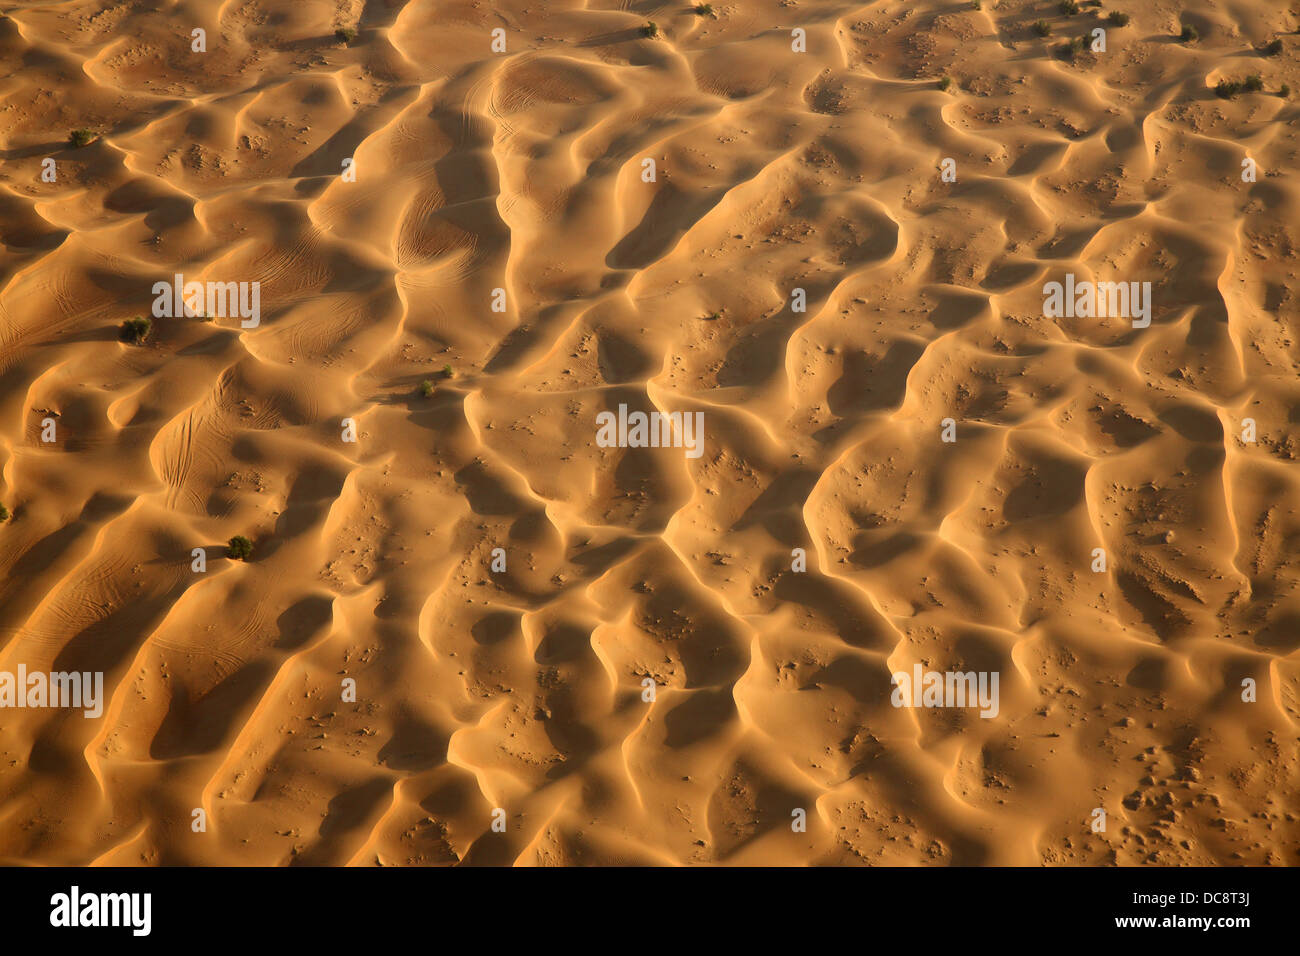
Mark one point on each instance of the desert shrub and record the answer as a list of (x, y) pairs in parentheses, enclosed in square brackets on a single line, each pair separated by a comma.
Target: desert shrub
[(4, 514), (1190, 34), (447, 372), (650, 30), (135, 331), (945, 83), (1227, 89), (239, 548), (704, 9), (1068, 7), (81, 137), (1253, 84), (426, 388), (1043, 28), (1068, 51), (1118, 19), (1284, 91), (1273, 49), (345, 34)]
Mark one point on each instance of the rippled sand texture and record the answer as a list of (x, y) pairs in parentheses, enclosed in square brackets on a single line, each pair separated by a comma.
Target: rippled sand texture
[(522, 690)]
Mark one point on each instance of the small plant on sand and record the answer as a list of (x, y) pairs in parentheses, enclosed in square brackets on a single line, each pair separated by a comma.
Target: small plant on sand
[(447, 372), (1043, 28), (1254, 83), (1273, 49), (345, 34), (1117, 19), (1068, 7), (135, 331), (81, 137), (974, 4), (4, 514), (703, 10), (426, 388), (239, 548), (650, 30), (1073, 48), (945, 83), (1284, 91), (1227, 89), (1190, 34)]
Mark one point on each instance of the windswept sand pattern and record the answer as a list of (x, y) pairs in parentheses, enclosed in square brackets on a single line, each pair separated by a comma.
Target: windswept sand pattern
[(776, 170)]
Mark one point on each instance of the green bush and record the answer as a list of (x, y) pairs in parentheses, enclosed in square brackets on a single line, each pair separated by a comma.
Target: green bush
[(4, 514), (1073, 48), (345, 34), (1227, 89), (1284, 91), (1068, 7), (1273, 49), (1043, 28), (704, 10), (81, 137), (1118, 19), (1253, 84), (945, 83), (650, 30), (135, 331), (426, 388), (447, 372), (1190, 34), (239, 548)]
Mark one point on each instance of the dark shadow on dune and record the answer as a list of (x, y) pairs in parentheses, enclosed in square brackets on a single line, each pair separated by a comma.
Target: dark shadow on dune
[(1009, 275), (670, 214), (1052, 488), (872, 551), (200, 725), (1194, 423), (1282, 634), (703, 714), (304, 620), (1158, 613), (486, 493), (870, 384), (563, 643), (415, 745), (354, 809), (496, 626)]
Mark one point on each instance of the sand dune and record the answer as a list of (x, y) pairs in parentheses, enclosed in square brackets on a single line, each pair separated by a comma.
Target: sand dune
[(414, 200)]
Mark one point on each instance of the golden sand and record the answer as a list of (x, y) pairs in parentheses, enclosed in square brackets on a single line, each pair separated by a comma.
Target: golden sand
[(764, 592)]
